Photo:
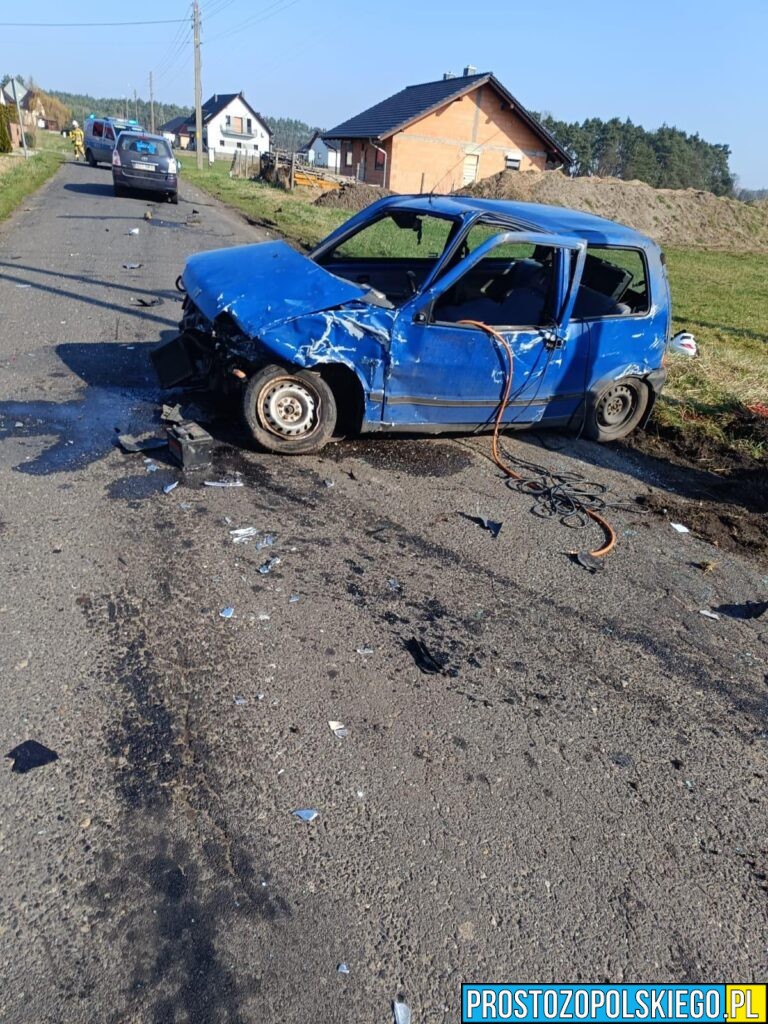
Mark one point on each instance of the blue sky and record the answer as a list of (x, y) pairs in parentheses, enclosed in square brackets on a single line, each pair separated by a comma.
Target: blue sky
[(689, 63)]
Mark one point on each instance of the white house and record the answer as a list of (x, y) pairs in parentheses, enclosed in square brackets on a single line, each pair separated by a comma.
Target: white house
[(322, 152), (230, 123)]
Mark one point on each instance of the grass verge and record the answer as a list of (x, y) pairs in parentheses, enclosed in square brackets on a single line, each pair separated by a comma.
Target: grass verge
[(719, 296), (20, 177)]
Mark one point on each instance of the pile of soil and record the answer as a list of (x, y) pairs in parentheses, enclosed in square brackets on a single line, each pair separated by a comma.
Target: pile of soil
[(687, 218), (719, 493), (353, 197)]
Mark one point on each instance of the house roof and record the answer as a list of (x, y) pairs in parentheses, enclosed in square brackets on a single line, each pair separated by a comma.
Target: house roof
[(329, 142), (220, 101), (174, 124), (416, 101)]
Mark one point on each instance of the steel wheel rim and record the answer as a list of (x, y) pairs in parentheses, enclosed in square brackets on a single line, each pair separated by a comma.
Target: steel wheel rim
[(617, 406), (288, 408)]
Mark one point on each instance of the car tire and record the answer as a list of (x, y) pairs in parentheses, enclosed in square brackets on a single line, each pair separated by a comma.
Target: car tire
[(89, 158), (119, 191), (617, 409), (289, 412), (174, 198)]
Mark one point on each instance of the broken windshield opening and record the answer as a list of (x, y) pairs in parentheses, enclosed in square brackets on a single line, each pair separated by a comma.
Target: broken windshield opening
[(392, 255)]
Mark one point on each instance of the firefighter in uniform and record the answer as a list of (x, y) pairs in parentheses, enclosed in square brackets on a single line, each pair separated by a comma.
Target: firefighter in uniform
[(77, 140)]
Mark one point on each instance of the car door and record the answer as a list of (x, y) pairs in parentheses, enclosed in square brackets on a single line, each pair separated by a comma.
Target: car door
[(444, 373)]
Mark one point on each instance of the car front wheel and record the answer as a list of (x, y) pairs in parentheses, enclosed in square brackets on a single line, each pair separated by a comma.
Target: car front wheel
[(617, 410), (289, 412)]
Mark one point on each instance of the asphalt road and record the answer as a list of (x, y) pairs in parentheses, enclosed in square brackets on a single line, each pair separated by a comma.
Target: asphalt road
[(581, 796)]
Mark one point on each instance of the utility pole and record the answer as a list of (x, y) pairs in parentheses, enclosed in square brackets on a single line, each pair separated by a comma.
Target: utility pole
[(151, 105), (21, 123), (198, 87)]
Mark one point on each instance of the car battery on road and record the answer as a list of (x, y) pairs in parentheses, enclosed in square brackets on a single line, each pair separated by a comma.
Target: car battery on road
[(190, 445)]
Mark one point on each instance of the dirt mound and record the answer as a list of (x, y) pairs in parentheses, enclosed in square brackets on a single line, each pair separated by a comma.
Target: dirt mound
[(353, 197), (675, 217)]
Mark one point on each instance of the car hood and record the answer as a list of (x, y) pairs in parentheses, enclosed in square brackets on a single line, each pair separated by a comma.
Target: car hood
[(263, 285)]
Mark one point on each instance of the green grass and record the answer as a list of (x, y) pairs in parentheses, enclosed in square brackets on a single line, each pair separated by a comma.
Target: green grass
[(719, 296), (20, 177)]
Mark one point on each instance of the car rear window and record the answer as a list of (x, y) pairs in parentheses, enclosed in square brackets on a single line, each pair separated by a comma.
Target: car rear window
[(144, 147)]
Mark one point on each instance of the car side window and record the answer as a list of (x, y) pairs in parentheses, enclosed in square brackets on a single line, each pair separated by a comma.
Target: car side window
[(614, 283), (98, 129), (108, 133), (514, 286)]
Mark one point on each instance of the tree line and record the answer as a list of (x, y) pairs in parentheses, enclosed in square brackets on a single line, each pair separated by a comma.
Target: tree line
[(664, 158)]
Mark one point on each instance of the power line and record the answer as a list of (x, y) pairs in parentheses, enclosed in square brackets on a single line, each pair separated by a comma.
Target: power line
[(83, 25), (268, 12)]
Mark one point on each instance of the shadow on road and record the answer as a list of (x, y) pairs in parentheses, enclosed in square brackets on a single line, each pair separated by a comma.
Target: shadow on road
[(96, 188)]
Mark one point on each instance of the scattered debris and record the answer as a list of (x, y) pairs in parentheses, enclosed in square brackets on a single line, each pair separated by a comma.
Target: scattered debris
[(306, 814), (679, 528), (244, 534), (151, 467), (588, 561), (342, 969), (131, 266), (339, 730), (23, 285), (706, 567), (266, 542), (227, 613), (30, 754), (402, 1012), (170, 487), (133, 231), (223, 483), (269, 566), (708, 614), (190, 445), (172, 414), (147, 215), (294, 599), (423, 657), (263, 617), (141, 301), (493, 527), (132, 444), (364, 650), (394, 586), (329, 483), (240, 701)]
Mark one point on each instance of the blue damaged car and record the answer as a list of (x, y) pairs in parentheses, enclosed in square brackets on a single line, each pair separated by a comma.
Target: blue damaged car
[(383, 326)]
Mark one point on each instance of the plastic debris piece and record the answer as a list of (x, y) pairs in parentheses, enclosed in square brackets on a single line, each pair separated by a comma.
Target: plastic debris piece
[(240, 701), (133, 231), (365, 650), (401, 1012), (227, 613), (588, 561), (23, 285), (294, 598), (339, 730), (423, 657), (132, 444), (223, 483), (170, 487), (491, 525), (269, 566), (172, 414), (306, 814), (147, 302), (708, 614), (394, 586), (185, 505), (131, 266), (263, 617), (30, 754), (152, 467), (679, 528), (342, 969), (266, 542), (329, 483), (684, 344), (243, 534)]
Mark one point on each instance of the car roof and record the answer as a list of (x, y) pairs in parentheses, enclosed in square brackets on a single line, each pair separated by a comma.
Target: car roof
[(553, 220)]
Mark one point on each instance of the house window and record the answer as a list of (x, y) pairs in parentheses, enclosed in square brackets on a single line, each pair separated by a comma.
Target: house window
[(221, 143), (348, 158), (379, 159), (249, 124), (239, 145), (227, 121), (512, 162)]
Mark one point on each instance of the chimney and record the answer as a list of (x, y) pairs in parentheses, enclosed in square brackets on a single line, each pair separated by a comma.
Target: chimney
[(447, 75), (470, 69)]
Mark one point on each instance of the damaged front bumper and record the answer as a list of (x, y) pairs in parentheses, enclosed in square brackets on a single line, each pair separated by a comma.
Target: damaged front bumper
[(186, 359)]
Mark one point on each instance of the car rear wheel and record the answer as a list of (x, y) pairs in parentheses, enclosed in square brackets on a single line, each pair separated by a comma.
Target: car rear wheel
[(119, 191), (289, 412), (617, 410)]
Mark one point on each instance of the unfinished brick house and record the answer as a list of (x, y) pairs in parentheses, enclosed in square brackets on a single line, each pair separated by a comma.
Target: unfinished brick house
[(441, 135)]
